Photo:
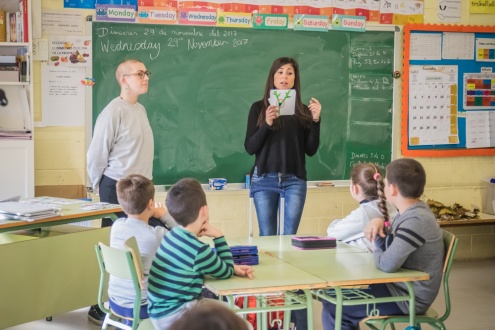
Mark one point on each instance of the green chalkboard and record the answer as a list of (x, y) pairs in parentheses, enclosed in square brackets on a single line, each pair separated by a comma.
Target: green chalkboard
[(204, 80)]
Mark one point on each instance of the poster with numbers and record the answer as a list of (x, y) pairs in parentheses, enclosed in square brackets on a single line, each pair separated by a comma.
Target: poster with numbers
[(433, 93)]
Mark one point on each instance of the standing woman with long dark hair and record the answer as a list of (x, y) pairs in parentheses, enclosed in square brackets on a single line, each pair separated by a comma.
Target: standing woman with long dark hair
[(281, 144)]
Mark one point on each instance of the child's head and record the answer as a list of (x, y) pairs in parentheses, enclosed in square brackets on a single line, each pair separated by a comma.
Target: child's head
[(209, 315), (184, 201), (369, 179), (134, 193), (408, 175), (366, 177)]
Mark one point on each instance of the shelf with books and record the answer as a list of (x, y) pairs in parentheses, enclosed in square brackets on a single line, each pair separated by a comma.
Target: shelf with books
[(14, 83), (16, 107), (14, 44)]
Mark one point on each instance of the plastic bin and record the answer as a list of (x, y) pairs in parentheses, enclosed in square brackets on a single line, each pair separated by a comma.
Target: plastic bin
[(487, 188)]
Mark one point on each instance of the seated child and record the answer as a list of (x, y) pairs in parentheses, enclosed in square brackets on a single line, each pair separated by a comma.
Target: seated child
[(367, 189), (181, 262), (208, 314), (417, 244), (135, 194)]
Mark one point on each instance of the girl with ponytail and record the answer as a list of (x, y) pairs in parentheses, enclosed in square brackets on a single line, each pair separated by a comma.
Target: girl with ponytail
[(366, 188)]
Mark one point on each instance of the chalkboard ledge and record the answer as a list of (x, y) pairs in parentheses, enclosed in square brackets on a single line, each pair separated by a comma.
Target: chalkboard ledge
[(241, 187)]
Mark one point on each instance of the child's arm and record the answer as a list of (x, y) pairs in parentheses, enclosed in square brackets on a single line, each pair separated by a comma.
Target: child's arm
[(406, 240), (376, 227), (161, 213), (210, 231), (219, 264), (350, 226), (244, 271)]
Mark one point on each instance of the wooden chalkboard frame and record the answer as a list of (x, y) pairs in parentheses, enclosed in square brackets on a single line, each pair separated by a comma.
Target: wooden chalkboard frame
[(395, 82), (441, 151)]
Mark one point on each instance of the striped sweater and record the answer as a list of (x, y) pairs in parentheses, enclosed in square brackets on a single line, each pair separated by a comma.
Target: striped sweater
[(177, 272)]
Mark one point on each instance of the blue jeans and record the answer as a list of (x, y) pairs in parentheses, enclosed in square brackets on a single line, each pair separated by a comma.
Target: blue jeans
[(351, 315), (267, 203)]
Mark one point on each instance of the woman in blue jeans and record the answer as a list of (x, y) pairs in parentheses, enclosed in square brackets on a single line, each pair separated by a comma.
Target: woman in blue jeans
[(281, 144)]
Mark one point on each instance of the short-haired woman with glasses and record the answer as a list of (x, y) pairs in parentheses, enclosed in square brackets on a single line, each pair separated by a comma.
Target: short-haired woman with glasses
[(122, 143)]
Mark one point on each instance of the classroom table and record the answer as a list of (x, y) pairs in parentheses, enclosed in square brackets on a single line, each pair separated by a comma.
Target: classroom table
[(271, 277), (339, 267), (49, 267), (71, 211)]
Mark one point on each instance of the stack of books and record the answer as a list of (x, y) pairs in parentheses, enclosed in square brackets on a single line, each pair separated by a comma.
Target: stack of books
[(26, 211), (14, 25), (9, 70), (245, 254)]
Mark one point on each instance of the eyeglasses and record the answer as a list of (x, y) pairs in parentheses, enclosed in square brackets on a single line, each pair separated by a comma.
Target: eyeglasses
[(140, 74)]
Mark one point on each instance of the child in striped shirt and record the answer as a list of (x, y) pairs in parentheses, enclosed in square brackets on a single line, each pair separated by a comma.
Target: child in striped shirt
[(182, 260)]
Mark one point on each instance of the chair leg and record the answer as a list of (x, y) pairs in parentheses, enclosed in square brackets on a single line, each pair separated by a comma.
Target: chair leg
[(105, 322)]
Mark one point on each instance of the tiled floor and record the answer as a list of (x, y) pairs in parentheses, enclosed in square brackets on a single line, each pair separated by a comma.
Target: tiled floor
[(472, 286)]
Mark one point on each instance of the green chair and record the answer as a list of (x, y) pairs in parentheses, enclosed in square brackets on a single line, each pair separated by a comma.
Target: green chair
[(126, 264), (431, 316)]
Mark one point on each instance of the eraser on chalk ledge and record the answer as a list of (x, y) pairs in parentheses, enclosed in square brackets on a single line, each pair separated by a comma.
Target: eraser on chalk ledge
[(325, 184)]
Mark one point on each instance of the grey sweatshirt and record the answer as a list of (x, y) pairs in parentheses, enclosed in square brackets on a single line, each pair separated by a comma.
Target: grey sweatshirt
[(417, 244)]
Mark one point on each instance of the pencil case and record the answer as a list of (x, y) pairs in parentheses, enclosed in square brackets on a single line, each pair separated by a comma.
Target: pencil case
[(246, 260), (243, 249), (314, 242)]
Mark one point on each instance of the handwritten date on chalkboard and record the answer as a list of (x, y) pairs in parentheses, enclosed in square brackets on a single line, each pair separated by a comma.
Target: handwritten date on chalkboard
[(368, 57), (173, 38)]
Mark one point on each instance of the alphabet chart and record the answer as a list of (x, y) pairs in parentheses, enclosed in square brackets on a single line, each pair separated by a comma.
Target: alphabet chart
[(433, 105)]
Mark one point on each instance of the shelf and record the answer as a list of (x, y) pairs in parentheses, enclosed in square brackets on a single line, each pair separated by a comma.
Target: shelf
[(14, 83), (14, 44)]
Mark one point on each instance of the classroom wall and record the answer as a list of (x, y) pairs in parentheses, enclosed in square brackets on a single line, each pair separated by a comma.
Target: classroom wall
[(60, 161)]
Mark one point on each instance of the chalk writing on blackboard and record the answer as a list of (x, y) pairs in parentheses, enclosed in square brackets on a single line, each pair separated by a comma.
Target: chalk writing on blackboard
[(362, 84), (378, 158), (371, 57), (154, 39)]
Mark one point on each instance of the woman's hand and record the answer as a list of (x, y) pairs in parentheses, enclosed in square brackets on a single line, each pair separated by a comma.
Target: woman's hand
[(315, 108), (271, 114)]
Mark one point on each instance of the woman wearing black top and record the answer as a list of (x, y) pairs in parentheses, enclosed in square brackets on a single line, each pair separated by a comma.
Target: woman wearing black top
[(280, 144)]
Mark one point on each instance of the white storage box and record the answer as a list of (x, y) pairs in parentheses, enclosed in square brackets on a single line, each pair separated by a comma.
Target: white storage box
[(487, 188)]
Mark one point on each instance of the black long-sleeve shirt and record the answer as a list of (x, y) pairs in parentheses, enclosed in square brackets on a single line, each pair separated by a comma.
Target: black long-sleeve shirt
[(282, 150)]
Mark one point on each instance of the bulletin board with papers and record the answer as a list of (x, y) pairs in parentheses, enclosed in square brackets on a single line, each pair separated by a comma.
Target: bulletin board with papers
[(448, 96)]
